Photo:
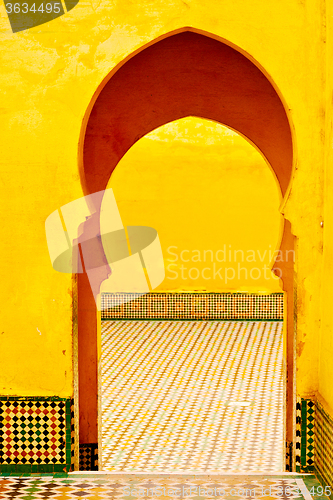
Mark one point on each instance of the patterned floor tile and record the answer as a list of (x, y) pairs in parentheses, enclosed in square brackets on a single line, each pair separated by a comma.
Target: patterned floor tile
[(192, 396), (126, 487)]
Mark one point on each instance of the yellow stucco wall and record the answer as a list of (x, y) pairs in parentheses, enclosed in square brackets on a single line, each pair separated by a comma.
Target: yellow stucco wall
[(325, 387), (214, 202), (48, 77)]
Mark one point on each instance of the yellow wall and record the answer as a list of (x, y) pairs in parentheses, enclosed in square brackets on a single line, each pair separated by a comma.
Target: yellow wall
[(325, 387), (48, 77), (213, 200)]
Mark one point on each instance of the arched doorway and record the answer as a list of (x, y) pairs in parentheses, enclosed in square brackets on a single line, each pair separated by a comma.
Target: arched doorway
[(184, 74)]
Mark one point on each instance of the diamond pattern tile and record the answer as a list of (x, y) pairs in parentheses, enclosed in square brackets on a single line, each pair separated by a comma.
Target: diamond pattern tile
[(33, 432), (323, 440), (125, 487), (88, 457), (192, 396)]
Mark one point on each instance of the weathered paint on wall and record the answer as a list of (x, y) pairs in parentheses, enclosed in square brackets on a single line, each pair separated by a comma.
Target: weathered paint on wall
[(49, 75)]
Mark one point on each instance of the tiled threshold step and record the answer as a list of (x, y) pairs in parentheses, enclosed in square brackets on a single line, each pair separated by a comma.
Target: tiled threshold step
[(189, 473), (127, 486)]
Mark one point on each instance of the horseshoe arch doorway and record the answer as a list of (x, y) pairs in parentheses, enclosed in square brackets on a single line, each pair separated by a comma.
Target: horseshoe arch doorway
[(187, 73)]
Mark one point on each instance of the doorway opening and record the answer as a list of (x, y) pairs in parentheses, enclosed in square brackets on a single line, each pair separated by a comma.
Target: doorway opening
[(184, 74), (182, 387), (199, 396)]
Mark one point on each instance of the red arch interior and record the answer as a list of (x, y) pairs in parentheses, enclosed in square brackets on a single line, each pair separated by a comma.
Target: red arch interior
[(187, 74)]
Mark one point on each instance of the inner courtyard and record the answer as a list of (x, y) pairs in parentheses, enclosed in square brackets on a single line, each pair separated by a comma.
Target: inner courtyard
[(199, 396)]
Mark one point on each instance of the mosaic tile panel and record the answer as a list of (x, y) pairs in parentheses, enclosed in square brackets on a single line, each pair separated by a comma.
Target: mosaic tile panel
[(305, 435), (124, 487), (308, 435), (298, 434), (35, 434), (289, 457), (88, 457), (193, 306), (192, 395), (324, 444), (72, 436)]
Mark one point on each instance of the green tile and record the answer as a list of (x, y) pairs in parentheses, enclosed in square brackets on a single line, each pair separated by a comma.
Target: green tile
[(7, 468), (59, 467), (23, 468), (44, 468)]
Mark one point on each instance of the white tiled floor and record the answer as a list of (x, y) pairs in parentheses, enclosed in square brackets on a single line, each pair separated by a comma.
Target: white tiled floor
[(192, 395)]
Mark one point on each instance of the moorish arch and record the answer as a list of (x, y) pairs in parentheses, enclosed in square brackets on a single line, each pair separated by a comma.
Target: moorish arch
[(183, 74)]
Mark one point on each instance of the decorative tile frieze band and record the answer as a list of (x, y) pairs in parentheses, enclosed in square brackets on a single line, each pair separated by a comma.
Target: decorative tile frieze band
[(193, 306)]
